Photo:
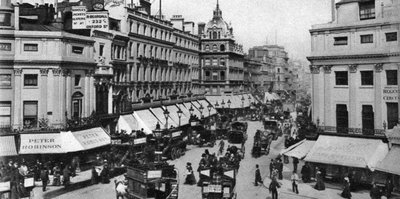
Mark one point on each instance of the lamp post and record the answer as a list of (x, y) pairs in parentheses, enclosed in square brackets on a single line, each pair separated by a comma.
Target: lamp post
[(229, 105), (201, 110), (179, 115), (191, 111), (209, 109), (243, 104), (166, 114)]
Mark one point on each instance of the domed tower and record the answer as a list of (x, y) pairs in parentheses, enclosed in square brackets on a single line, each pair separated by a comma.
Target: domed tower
[(221, 57)]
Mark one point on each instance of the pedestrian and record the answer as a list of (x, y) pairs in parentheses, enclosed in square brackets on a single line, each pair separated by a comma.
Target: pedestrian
[(388, 187), (295, 163), (190, 178), (295, 181), (273, 188), (105, 175), (121, 188), (44, 176), (57, 176), (375, 192), (66, 176), (280, 169), (346, 189), (271, 167), (258, 177), (305, 173), (95, 176), (320, 185)]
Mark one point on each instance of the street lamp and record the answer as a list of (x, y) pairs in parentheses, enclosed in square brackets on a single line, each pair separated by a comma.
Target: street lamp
[(229, 103), (191, 110), (216, 105), (179, 115), (222, 104), (166, 114), (201, 110)]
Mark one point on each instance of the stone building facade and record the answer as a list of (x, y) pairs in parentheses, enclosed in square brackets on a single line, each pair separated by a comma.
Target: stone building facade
[(355, 62)]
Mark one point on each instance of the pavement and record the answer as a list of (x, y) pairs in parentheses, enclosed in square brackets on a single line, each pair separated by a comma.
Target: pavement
[(245, 187)]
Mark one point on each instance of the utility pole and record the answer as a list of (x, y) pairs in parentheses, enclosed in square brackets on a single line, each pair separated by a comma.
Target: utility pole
[(160, 11)]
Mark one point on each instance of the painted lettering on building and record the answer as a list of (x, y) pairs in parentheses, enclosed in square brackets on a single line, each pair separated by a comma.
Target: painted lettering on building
[(390, 94)]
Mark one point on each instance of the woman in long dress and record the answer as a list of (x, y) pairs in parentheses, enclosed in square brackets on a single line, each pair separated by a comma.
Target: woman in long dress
[(320, 183), (346, 190)]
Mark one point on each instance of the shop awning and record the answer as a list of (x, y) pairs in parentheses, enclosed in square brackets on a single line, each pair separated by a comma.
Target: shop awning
[(42, 143), (142, 124), (196, 104), (299, 150), (149, 120), (173, 113), (159, 113), (347, 151), (195, 112), (236, 101), (127, 123), (185, 111), (270, 96), (206, 104), (390, 163), (7, 146), (91, 138)]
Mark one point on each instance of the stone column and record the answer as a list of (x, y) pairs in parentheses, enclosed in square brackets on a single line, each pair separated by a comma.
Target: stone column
[(315, 92), (17, 102), (92, 93), (353, 85), (379, 105), (86, 97), (110, 99), (68, 93), (42, 110), (328, 109), (55, 96)]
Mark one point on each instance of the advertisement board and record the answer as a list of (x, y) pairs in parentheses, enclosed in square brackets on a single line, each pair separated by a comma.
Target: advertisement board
[(97, 20), (78, 17)]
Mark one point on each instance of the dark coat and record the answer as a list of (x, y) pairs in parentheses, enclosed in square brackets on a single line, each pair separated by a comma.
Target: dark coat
[(258, 175), (346, 191), (274, 185)]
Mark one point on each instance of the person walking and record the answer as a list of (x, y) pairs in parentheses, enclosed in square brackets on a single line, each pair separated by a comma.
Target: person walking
[(190, 178), (271, 167), (295, 163), (305, 173), (44, 176), (257, 177), (280, 169), (273, 188), (295, 181), (346, 189), (320, 185), (57, 176), (388, 187), (95, 176), (105, 175), (66, 176)]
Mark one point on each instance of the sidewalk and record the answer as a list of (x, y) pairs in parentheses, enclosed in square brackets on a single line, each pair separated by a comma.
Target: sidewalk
[(81, 180)]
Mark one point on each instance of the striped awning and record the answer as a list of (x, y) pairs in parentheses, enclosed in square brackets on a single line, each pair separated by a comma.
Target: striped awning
[(8, 147)]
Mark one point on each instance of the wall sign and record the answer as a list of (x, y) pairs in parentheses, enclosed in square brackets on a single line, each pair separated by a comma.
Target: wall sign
[(390, 94), (5, 46), (97, 20), (78, 17)]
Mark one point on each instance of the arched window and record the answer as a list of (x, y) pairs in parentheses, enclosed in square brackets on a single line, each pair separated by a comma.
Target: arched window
[(215, 35), (215, 48), (207, 48), (222, 47)]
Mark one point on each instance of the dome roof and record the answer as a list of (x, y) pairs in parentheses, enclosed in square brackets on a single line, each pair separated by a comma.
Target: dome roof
[(218, 23)]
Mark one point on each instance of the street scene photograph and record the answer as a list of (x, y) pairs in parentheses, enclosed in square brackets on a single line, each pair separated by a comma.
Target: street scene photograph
[(199, 99)]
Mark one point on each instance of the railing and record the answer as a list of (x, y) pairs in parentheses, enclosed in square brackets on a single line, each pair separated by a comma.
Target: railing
[(353, 131)]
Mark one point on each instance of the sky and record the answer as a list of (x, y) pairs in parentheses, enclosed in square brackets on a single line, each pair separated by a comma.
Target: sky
[(256, 22)]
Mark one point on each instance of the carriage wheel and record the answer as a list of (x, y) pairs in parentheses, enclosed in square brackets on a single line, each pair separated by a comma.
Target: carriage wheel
[(178, 153), (173, 153)]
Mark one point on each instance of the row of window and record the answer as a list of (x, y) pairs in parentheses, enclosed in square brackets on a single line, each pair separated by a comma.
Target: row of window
[(162, 35), (31, 80), (367, 77), (364, 39), (145, 50), (151, 74), (215, 48), (214, 62), (214, 75)]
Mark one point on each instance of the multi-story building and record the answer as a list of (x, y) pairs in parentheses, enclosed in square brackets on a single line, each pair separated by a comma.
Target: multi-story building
[(252, 75), (355, 62), (160, 59), (277, 73), (222, 58), (46, 74)]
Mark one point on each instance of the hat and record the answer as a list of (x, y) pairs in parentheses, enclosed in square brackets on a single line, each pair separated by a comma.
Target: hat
[(346, 178), (188, 163)]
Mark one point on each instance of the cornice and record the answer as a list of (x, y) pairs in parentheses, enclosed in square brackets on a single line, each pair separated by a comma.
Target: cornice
[(312, 58)]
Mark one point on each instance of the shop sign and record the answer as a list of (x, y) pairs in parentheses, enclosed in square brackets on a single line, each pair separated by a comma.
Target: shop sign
[(45, 144), (390, 94), (176, 134), (116, 141), (5, 186), (139, 141), (78, 17), (5, 110), (154, 174), (97, 20)]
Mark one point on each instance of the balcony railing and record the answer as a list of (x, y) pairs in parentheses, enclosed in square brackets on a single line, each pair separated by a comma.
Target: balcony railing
[(353, 131)]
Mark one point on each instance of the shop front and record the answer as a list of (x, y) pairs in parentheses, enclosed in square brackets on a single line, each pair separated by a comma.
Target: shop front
[(338, 157), (299, 150)]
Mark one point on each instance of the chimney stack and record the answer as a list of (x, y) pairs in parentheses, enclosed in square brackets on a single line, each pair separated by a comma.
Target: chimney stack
[(16, 16), (200, 28), (333, 8)]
